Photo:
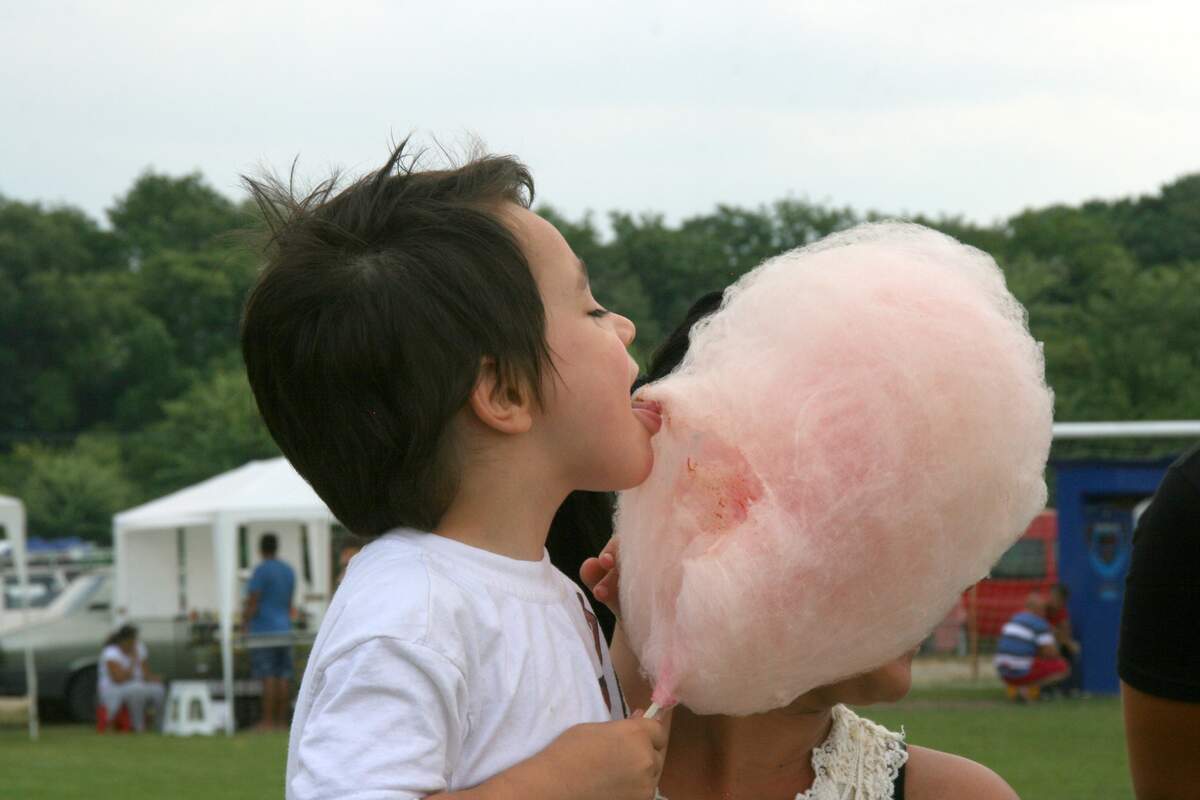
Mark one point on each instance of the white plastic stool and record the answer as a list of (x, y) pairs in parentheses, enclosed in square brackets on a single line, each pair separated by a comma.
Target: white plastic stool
[(190, 709)]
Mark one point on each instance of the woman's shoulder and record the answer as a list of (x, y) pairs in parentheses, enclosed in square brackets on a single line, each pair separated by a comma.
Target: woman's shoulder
[(933, 775)]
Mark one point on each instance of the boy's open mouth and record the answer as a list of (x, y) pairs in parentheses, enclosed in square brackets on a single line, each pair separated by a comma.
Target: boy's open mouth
[(649, 413)]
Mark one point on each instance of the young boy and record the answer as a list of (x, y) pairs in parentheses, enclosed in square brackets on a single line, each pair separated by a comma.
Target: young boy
[(427, 353)]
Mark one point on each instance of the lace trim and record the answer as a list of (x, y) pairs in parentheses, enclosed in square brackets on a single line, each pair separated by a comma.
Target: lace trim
[(859, 760)]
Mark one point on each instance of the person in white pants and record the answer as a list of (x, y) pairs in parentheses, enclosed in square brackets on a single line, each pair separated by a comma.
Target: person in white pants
[(126, 679)]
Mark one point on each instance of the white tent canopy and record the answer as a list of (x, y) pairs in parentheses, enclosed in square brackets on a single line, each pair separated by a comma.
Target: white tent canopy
[(12, 520), (182, 553)]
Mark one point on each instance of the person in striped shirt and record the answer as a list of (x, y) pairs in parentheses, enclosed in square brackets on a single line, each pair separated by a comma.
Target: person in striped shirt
[(1027, 654)]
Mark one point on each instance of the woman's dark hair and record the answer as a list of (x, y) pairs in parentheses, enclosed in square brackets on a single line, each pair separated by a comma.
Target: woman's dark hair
[(675, 346), (580, 529), (365, 331), (584, 521), (121, 634)]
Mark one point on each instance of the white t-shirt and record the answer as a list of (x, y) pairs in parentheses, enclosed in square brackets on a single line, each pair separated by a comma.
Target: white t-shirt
[(113, 653), (440, 665)]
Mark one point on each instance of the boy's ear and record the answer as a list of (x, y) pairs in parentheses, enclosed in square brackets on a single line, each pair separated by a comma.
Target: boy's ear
[(501, 407)]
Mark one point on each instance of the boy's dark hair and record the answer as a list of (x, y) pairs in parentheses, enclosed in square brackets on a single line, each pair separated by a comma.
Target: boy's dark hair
[(365, 332), (268, 545), (672, 349)]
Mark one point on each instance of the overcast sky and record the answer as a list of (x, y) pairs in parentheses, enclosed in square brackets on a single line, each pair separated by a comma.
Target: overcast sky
[(975, 108)]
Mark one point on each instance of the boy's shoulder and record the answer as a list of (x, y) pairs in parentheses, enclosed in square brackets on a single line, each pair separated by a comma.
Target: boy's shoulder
[(427, 590), (401, 587), (392, 589)]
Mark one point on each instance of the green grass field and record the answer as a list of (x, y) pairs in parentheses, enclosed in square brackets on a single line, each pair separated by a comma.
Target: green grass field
[(1067, 750), (1060, 750), (73, 761)]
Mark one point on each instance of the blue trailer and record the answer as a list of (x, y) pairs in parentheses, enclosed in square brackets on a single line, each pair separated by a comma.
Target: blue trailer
[(1098, 501)]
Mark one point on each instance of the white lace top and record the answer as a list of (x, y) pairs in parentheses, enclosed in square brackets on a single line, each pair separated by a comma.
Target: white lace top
[(858, 760)]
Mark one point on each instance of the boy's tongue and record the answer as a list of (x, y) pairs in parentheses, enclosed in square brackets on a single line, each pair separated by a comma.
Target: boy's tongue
[(649, 413)]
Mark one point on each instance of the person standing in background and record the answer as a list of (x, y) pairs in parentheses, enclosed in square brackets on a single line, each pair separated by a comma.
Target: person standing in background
[(1158, 657), (268, 610)]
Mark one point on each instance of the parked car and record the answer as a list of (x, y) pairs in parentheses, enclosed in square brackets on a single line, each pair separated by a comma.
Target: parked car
[(50, 571), (67, 643), (22, 605), (1030, 565)]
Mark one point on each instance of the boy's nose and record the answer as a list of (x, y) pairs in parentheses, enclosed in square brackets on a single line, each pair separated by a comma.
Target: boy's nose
[(626, 330)]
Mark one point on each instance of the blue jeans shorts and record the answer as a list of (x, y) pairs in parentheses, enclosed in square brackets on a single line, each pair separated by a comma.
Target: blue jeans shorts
[(271, 662)]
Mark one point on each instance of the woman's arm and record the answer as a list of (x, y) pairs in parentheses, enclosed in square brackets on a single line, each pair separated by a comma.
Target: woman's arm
[(1162, 738), (117, 672), (148, 675), (934, 775)]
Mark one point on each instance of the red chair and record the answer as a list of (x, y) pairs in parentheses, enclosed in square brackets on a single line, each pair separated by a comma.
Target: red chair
[(120, 723)]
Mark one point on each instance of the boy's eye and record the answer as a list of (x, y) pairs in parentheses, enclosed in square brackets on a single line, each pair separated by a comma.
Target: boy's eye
[(597, 313)]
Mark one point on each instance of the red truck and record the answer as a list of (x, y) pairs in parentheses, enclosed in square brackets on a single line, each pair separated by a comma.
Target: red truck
[(1031, 564)]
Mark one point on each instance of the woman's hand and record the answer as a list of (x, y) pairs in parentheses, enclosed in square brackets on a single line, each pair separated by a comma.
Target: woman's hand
[(601, 575)]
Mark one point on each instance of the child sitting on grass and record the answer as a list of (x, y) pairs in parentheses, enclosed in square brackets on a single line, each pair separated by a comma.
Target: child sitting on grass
[(427, 353)]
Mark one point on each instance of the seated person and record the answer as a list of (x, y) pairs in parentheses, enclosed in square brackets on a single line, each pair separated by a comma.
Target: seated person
[(124, 678), (268, 610), (1027, 654)]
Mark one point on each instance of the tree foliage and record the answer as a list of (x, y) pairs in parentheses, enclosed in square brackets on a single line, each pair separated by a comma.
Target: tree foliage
[(71, 491), (119, 344), (212, 427)]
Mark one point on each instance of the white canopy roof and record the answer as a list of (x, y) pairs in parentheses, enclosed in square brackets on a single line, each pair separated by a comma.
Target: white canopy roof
[(259, 490), (195, 531)]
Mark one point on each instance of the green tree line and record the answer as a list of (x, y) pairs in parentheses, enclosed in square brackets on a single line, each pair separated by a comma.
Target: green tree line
[(121, 378)]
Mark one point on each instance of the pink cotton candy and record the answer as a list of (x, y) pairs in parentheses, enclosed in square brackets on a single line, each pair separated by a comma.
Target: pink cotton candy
[(852, 440)]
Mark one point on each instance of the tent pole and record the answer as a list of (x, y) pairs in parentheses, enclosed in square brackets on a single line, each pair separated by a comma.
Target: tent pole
[(118, 578), (318, 542), (32, 687), (224, 532), (21, 557)]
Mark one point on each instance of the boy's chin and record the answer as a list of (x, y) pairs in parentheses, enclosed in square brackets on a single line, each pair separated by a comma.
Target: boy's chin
[(632, 472), (642, 471)]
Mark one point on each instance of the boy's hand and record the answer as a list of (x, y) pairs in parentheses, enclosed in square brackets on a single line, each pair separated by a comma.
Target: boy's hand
[(601, 575), (596, 761), (605, 761)]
